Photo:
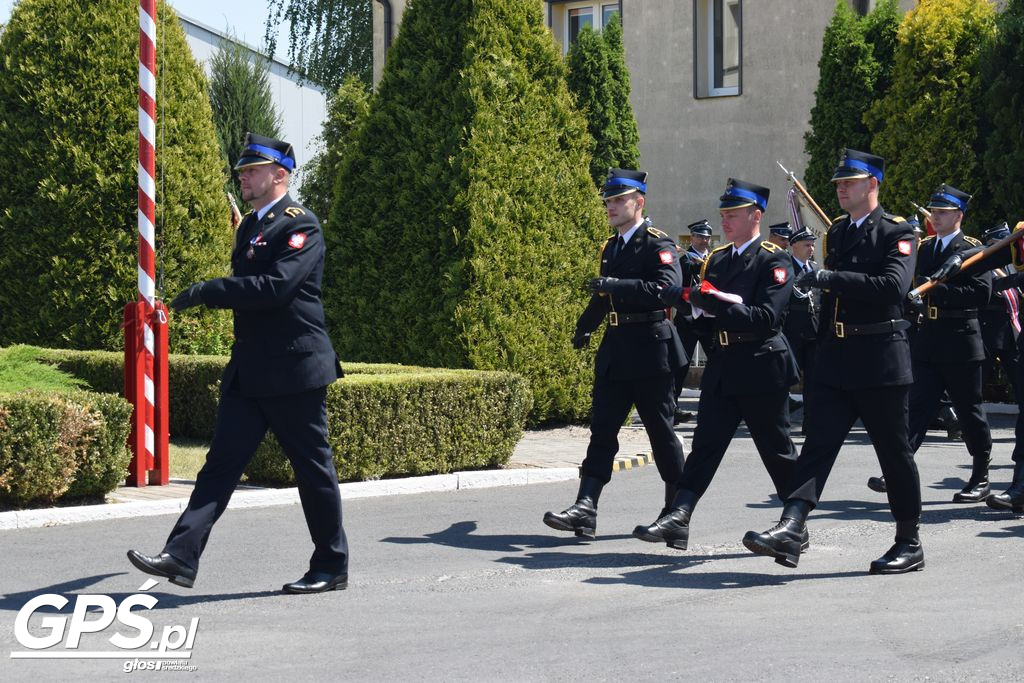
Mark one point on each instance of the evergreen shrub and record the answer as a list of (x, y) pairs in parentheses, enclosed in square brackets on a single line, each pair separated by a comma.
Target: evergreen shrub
[(466, 220), (68, 188)]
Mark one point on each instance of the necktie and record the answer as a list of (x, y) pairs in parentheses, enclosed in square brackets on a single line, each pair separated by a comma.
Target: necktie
[(938, 248)]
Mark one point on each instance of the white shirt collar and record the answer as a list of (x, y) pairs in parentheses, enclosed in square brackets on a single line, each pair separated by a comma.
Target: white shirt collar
[(263, 212), (860, 222), (740, 249), (629, 233), (948, 238)]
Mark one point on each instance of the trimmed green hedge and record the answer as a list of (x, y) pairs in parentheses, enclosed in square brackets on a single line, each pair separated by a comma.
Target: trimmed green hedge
[(61, 445), (425, 422), (385, 419)]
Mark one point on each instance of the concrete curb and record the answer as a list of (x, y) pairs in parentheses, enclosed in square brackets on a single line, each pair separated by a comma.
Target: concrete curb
[(242, 498)]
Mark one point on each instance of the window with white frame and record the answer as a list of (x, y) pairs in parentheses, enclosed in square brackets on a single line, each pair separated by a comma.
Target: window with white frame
[(580, 14), (718, 47)]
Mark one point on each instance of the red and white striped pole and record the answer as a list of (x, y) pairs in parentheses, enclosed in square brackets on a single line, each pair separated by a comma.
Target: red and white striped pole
[(147, 438)]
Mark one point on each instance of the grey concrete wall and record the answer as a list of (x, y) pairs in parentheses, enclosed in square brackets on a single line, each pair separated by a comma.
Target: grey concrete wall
[(303, 107), (397, 10), (691, 146)]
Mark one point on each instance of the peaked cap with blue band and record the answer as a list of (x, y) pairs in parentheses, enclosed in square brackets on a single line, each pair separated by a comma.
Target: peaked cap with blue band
[(623, 181), (914, 223), (739, 193), (950, 198), (853, 164), (997, 233), (782, 230), (801, 235), (260, 150), (701, 227)]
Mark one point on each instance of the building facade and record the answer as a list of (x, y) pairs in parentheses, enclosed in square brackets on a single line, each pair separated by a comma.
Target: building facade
[(301, 105), (720, 88)]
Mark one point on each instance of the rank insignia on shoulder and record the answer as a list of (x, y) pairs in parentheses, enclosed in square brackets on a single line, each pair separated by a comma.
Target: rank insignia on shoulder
[(894, 218), (839, 218), (654, 231), (768, 246), (905, 247), (666, 256), (293, 211), (296, 240), (971, 241)]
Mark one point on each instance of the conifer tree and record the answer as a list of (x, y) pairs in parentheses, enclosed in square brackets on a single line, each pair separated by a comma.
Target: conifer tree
[(466, 220), (926, 126), (1002, 104), (69, 191)]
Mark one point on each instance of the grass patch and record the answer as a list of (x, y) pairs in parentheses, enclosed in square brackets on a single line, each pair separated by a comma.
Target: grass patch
[(187, 457), (20, 370)]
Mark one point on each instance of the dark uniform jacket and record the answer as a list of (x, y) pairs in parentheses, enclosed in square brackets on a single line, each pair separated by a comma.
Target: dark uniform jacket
[(950, 330), (873, 267), (762, 361), (640, 350), (996, 328), (281, 343), (804, 310), (691, 277)]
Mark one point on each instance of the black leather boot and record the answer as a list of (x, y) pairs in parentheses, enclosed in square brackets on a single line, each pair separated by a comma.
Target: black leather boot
[(906, 554), (977, 488), (785, 540), (673, 526), (581, 516), (877, 484), (1013, 498)]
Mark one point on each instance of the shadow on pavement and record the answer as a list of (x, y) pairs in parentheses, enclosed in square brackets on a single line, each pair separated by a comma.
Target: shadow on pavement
[(460, 535), (13, 602)]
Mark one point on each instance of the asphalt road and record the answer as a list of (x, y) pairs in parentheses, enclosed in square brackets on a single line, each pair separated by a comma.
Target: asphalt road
[(472, 586)]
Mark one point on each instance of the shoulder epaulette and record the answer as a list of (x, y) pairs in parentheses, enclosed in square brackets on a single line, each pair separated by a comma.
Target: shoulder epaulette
[(718, 249), (925, 239), (293, 211), (894, 218), (839, 218), (971, 241), (768, 246), (657, 233), (246, 213), (704, 267)]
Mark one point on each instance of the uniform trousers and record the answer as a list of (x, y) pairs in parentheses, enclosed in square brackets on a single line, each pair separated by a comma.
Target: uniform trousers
[(299, 421), (827, 422), (689, 338), (963, 381), (654, 399), (1018, 430), (767, 418)]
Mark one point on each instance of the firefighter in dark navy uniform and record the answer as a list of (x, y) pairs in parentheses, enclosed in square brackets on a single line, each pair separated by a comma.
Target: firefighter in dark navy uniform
[(862, 368), (779, 234), (745, 288), (282, 362), (804, 311), (948, 349), (639, 353), (1000, 322), (691, 330)]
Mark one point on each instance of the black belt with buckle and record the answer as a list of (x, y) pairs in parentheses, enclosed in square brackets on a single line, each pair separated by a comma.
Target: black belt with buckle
[(725, 337), (616, 319), (844, 330), (936, 313)]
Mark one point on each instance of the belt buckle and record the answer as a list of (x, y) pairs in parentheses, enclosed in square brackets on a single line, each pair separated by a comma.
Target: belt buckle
[(723, 338), (840, 330), (933, 312), (613, 319)]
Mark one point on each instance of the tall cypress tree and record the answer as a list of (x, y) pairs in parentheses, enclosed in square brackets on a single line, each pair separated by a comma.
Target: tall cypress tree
[(69, 188), (926, 126), (241, 102), (1001, 109), (590, 82), (346, 111), (846, 88), (627, 136), (465, 220)]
